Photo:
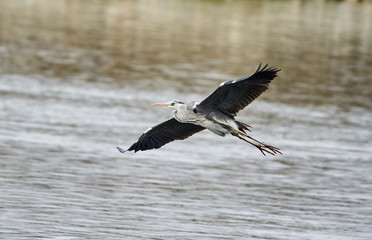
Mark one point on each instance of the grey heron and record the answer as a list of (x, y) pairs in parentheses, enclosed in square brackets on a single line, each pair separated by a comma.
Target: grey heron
[(216, 113)]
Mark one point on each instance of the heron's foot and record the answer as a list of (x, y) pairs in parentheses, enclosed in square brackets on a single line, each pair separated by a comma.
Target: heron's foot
[(264, 148)]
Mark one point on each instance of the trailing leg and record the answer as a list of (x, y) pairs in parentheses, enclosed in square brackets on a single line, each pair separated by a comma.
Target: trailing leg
[(260, 145)]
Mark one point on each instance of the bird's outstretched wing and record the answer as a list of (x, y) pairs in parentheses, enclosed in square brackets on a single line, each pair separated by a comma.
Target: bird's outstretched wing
[(162, 134), (233, 96)]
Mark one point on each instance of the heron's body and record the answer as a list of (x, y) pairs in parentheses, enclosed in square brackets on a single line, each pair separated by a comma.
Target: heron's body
[(216, 122), (216, 113)]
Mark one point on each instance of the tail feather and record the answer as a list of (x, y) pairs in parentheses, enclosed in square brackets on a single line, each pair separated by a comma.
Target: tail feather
[(243, 126)]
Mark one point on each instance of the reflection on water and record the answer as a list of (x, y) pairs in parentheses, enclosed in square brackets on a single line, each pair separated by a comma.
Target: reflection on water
[(77, 78)]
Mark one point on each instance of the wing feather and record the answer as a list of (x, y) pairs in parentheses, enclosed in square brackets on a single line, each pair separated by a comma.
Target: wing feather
[(164, 133), (233, 96)]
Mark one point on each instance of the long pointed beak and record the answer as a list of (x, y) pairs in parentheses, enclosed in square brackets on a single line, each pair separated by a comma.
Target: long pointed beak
[(160, 104)]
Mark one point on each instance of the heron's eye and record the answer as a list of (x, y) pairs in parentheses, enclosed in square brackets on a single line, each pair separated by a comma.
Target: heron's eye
[(172, 104)]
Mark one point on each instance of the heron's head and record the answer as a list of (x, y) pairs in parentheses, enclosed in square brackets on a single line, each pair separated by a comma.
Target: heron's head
[(174, 105)]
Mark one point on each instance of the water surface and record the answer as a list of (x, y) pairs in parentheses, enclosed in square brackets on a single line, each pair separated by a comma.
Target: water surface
[(77, 79)]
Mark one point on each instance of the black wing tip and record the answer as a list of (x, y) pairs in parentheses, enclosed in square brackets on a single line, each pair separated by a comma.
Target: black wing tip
[(270, 73), (265, 69), (121, 150)]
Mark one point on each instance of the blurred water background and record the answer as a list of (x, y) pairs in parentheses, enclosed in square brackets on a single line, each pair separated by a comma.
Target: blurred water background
[(77, 79)]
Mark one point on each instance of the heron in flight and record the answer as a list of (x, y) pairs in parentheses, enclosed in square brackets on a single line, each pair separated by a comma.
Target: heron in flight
[(216, 113)]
